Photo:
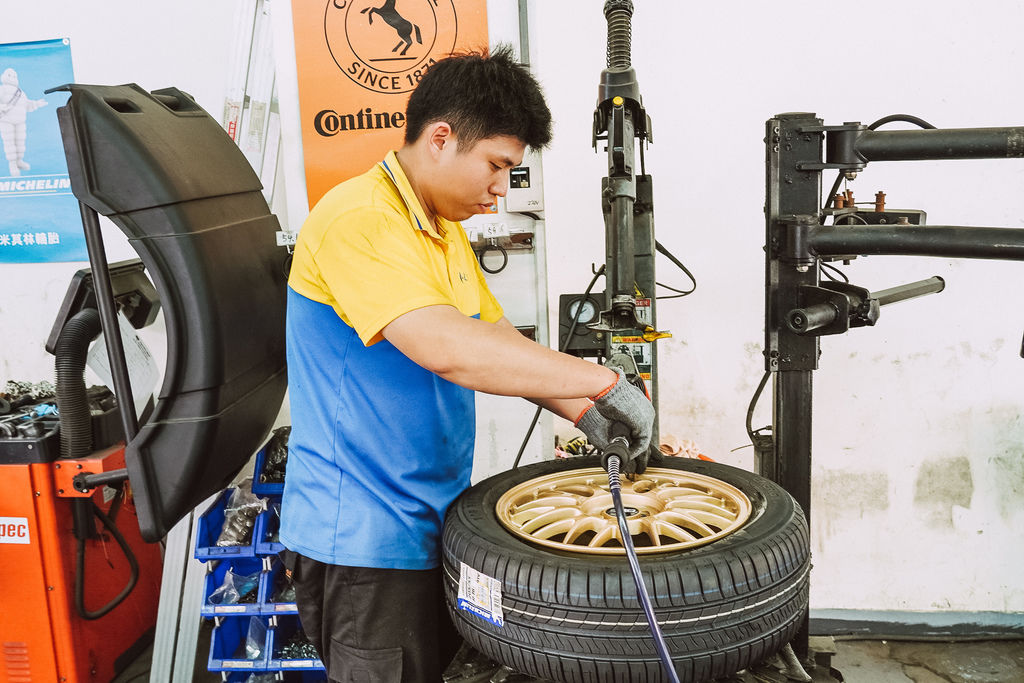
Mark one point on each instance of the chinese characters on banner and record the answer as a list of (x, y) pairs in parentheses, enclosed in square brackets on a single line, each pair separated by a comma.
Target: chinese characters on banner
[(39, 217), (357, 62)]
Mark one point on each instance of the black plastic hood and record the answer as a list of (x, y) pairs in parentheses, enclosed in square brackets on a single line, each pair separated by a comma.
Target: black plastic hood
[(172, 180)]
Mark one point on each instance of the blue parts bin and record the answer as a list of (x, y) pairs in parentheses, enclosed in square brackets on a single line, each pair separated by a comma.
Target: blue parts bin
[(268, 474), (233, 620)]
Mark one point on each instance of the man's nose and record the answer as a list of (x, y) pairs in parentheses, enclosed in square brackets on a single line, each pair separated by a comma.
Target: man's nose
[(500, 186)]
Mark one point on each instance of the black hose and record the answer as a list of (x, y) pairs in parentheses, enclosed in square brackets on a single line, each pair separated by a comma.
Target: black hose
[(904, 118), (679, 264), (80, 570), (615, 486), (753, 404), (76, 442), (492, 248), (72, 400)]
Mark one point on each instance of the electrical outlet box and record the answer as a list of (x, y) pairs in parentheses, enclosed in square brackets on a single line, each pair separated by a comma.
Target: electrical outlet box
[(526, 185)]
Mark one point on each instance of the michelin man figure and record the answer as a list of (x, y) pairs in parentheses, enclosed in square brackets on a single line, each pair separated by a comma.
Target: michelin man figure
[(14, 105)]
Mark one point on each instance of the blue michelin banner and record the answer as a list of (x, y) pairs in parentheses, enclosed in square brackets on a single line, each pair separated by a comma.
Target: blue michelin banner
[(39, 217)]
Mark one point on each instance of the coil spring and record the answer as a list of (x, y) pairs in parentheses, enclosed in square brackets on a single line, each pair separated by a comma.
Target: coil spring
[(614, 480), (619, 14)]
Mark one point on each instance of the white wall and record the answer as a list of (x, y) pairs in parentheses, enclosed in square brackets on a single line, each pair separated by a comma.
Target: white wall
[(918, 440)]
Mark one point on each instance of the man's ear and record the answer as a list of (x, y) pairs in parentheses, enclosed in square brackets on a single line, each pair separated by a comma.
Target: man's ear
[(439, 135)]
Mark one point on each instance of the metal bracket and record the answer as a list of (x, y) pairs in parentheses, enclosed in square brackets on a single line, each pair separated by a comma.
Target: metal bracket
[(79, 477), (832, 308), (622, 316), (796, 251), (840, 147)]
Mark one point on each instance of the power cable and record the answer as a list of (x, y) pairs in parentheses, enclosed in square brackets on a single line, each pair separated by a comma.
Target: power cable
[(80, 570), (680, 292), (822, 269), (486, 249), (565, 344), (904, 118), (753, 404)]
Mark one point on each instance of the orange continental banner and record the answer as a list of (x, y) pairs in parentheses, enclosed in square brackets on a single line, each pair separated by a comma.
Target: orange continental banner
[(357, 62)]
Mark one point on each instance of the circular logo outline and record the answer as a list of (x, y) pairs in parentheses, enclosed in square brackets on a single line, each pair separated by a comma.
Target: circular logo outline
[(408, 83)]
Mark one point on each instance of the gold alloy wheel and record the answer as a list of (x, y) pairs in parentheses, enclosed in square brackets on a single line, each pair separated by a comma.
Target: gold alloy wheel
[(666, 510)]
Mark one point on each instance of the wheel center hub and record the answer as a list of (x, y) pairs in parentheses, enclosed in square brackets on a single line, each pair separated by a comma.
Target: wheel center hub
[(626, 511)]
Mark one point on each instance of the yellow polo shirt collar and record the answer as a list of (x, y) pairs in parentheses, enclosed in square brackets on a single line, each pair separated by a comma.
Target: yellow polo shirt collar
[(393, 168)]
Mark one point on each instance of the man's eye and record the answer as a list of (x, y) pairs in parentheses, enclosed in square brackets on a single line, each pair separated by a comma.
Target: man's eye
[(495, 167)]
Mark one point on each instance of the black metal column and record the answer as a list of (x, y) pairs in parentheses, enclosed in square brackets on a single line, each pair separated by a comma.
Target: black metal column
[(792, 197)]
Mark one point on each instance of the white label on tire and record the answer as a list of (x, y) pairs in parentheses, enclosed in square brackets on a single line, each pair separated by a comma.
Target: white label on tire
[(481, 595)]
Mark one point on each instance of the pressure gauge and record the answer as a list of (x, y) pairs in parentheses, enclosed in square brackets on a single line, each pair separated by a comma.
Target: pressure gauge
[(585, 316), (585, 310)]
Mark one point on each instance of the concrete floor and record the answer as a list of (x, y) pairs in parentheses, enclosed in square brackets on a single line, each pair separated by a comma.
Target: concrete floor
[(881, 661), (859, 661)]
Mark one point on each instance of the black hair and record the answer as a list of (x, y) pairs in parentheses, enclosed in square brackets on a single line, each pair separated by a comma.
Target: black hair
[(480, 95)]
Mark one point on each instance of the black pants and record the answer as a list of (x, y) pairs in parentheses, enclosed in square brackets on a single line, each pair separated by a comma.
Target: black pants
[(375, 625)]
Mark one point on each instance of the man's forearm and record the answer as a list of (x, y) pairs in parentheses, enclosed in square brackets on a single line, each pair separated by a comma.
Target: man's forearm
[(494, 358), (568, 408)]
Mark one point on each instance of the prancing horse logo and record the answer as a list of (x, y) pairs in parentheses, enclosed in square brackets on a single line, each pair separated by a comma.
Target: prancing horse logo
[(403, 27), (365, 50)]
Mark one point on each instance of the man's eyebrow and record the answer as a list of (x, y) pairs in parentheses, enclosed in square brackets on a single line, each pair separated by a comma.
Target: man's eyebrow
[(508, 163)]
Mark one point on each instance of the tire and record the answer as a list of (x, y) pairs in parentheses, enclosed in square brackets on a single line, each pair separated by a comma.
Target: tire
[(575, 618)]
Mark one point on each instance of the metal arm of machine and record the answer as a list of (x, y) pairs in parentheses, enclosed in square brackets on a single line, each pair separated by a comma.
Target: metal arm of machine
[(953, 241), (941, 143), (842, 306), (852, 145), (621, 193), (87, 482)]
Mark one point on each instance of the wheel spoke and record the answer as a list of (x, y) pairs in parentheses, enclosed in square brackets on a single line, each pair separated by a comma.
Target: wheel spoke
[(560, 526), (549, 501), (685, 521), (680, 534), (581, 526), (549, 517), (601, 538)]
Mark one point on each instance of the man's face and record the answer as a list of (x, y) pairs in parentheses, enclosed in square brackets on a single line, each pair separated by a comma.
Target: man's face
[(468, 180)]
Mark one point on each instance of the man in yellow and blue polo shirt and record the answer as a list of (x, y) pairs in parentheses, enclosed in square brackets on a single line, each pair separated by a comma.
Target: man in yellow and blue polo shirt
[(390, 330)]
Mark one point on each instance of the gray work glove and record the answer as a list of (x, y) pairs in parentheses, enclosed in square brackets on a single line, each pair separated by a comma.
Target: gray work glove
[(597, 425), (625, 403)]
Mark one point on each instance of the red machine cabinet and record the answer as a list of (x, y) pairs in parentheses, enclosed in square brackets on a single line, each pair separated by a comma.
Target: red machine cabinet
[(42, 635)]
